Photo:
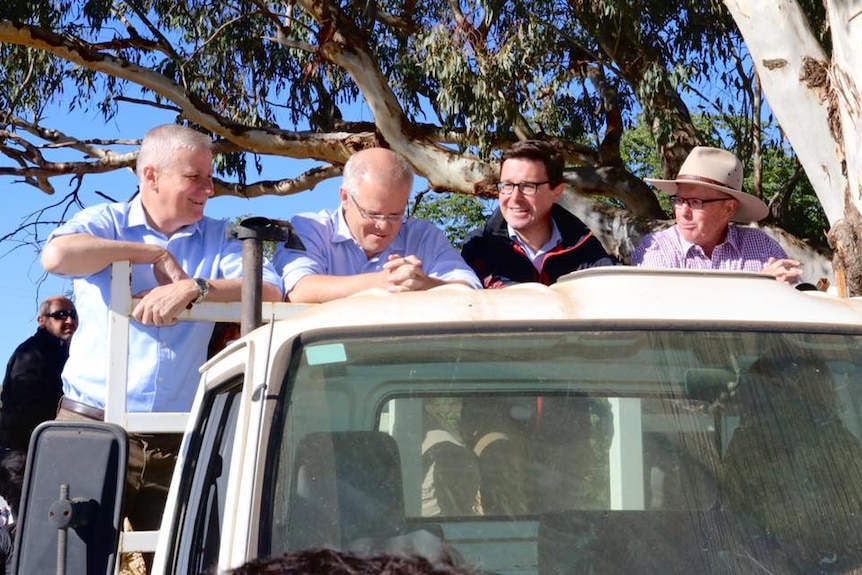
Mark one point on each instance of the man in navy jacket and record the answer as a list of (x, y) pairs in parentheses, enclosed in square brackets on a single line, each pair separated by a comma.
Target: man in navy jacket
[(32, 389), (529, 238)]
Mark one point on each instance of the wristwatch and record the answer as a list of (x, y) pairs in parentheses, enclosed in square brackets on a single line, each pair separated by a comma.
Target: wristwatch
[(203, 290)]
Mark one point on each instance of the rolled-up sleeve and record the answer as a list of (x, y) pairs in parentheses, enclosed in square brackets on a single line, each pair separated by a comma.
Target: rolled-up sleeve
[(295, 264)]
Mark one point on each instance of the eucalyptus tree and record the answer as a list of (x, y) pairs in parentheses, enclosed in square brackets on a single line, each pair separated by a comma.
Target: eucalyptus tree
[(446, 84), (810, 65)]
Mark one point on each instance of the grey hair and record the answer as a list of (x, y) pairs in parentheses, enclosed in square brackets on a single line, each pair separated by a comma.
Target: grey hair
[(358, 166), (162, 142)]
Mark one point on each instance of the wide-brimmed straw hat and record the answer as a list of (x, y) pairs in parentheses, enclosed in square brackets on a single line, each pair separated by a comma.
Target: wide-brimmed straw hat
[(719, 170)]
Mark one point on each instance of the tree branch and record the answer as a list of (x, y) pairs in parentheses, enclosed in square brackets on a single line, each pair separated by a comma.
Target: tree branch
[(287, 187), (346, 46), (215, 35), (272, 141), (166, 46)]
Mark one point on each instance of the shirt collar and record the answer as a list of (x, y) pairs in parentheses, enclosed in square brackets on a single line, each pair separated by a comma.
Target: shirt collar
[(552, 242), (732, 238), (138, 217), (341, 233)]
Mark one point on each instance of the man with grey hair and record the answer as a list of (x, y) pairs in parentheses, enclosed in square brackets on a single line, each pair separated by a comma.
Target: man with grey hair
[(707, 196), (369, 242), (179, 257)]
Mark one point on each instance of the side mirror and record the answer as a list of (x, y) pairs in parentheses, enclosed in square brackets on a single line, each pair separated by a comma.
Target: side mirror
[(71, 506)]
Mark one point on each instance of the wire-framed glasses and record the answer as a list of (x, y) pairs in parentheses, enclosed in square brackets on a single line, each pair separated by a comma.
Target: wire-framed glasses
[(377, 217), (694, 203)]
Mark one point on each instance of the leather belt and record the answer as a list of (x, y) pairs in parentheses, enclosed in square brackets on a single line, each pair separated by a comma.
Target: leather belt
[(82, 409)]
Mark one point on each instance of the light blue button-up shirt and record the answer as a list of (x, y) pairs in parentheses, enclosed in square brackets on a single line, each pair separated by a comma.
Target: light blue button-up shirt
[(163, 361), (332, 250)]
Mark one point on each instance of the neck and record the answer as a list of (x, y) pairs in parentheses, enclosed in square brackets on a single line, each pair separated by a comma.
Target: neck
[(535, 238), (709, 247), (156, 220), (165, 227)]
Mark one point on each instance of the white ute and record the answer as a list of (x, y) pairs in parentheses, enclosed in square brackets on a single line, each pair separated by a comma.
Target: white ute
[(621, 421)]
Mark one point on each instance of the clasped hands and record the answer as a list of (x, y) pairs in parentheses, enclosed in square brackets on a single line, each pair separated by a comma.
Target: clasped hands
[(405, 273)]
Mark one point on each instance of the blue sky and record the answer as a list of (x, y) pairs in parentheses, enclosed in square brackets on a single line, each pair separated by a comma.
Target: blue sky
[(23, 283)]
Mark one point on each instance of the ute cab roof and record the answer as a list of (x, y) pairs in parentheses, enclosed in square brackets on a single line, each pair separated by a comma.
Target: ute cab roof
[(607, 294)]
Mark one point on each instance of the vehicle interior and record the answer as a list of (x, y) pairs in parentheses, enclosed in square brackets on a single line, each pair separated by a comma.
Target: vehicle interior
[(577, 449)]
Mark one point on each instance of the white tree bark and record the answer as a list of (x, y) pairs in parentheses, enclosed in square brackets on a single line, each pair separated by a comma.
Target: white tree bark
[(845, 19), (793, 70)]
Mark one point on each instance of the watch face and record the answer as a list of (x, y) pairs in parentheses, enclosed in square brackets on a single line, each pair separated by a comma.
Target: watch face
[(203, 288)]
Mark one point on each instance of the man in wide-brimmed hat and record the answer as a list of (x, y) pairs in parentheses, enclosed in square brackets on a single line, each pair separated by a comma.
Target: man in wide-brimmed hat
[(706, 196)]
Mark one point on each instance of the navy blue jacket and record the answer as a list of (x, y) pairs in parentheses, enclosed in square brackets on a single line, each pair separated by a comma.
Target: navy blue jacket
[(32, 387), (499, 261)]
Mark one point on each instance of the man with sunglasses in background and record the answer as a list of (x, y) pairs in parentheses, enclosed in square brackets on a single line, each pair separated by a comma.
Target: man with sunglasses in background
[(706, 196), (368, 242), (529, 238), (32, 389)]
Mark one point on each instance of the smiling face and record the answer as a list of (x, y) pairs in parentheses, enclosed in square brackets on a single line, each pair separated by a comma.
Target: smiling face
[(175, 196), (706, 227), (529, 216)]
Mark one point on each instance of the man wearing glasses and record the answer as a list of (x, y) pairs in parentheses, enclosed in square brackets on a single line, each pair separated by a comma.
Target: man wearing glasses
[(706, 196), (32, 389), (369, 242), (529, 238)]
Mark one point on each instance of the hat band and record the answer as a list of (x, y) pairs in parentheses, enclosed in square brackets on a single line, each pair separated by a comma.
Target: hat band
[(704, 180)]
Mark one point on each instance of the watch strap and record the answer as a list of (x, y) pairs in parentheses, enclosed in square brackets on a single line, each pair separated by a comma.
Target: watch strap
[(203, 290)]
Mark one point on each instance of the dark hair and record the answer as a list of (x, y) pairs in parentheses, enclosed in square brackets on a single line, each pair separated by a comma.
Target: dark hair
[(334, 562), (538, 151)]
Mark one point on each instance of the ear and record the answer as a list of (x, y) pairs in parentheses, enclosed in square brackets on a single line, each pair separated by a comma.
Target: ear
[(41, 320), (343, 196), (150, 176), (730, 208), (557, 191)]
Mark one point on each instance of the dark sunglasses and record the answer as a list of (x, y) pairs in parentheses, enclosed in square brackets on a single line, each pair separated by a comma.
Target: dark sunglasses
[(63, 314)]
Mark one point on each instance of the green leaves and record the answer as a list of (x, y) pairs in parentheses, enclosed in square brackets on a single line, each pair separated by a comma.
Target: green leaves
[(455, 214), (96, 12), (470, 76)]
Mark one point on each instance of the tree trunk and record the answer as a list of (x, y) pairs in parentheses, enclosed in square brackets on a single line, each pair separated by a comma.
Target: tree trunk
[(818, 105), (793, 73)]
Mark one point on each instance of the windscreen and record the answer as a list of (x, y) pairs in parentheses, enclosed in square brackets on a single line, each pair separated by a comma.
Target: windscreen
[(572, 451)]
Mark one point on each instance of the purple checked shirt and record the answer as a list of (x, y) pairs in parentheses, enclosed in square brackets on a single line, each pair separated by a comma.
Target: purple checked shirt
[(745, 249)]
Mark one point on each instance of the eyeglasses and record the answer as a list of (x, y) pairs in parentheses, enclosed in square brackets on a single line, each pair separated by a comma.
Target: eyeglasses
[(693, 203), (527, 188), (63, 314), (378, 217)]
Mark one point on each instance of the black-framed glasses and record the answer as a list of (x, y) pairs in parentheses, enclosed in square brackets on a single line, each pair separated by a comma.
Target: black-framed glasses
[(527, 188), (63, 314), (377, 217), (693, 203)]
